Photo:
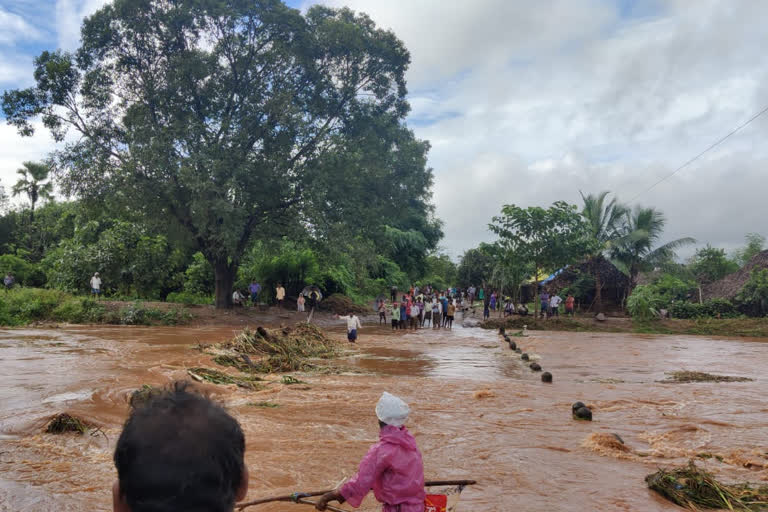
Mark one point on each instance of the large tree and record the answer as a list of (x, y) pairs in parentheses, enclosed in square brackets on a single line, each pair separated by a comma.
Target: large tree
[(212, 114), (547, 238), (605, 222), (33, 183)]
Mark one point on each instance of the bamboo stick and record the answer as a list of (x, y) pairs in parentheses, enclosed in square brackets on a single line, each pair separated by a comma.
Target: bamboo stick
[(290, 497)]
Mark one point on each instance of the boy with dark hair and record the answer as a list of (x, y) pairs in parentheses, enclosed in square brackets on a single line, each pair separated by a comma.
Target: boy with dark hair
[(179, 451)]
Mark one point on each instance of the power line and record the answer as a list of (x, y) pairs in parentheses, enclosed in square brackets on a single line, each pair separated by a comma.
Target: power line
[(713, 146)]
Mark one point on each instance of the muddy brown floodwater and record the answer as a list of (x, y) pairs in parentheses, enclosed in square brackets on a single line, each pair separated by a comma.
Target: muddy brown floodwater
[(478, 412)]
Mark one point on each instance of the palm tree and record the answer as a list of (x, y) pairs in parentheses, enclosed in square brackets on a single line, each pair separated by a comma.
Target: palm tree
[(635, 252), (605, 221), (33, 175)]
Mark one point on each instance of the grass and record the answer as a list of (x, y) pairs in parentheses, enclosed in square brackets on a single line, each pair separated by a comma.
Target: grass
[(694, 488), (24, 306), (682, 377)]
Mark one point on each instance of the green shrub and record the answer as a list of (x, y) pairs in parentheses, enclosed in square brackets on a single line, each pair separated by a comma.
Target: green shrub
[(188, 298), (21, 306), (78, 310), (686, 310), (720, 308), (644, 303), (753, 297), (24, 272)]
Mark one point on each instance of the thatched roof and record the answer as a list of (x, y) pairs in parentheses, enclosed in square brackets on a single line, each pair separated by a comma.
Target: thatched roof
[(729, 286), (610, 276)]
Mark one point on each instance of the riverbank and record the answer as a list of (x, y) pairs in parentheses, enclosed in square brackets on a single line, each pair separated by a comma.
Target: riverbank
[(40, 307), (738, 327)]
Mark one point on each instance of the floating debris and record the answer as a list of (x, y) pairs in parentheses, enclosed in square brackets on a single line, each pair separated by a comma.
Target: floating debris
[(289, 380), (546, 377), (276, 350), (694, 488), (142, 395), (484, 393), (63, 423), (536, 367), (268, 405), (216, 377), (686, 376)]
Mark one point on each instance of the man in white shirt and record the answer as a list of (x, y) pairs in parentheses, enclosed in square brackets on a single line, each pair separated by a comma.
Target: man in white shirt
[(554, 304), (353, 324), (96, 285), (280, 295)]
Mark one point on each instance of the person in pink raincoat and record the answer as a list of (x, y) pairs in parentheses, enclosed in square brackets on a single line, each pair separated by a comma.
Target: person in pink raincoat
[(392, 467)]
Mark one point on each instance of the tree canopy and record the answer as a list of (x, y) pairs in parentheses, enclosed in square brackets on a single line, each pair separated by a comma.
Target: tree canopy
[(225, 119)]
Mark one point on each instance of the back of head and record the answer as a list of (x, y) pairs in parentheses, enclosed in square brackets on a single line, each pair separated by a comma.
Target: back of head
[(180, 452)]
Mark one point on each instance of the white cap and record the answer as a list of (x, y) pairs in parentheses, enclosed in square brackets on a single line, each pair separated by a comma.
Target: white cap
[(392, 410)]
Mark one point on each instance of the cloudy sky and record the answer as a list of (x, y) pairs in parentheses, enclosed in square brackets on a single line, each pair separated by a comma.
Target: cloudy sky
[(529, 102)]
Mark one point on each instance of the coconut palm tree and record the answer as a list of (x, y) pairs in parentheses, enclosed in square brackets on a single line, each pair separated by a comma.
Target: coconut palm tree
[(606, 223), (33, 175), (637, 251)]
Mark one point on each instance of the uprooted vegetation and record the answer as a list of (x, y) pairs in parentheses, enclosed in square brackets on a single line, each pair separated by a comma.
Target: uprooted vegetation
[(63, 423), (201, 374), (682, 377), (694, 489), (275, 350)]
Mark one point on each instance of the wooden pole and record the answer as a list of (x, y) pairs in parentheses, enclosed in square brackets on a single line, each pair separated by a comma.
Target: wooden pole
[(297, 497)]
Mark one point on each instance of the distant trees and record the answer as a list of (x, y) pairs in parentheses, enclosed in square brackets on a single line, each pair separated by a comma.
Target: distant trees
[(755, 244), (32, 183), (547, 238)]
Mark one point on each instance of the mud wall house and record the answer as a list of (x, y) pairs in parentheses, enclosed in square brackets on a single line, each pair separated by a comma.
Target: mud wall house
[(613, 290), (729, 286)]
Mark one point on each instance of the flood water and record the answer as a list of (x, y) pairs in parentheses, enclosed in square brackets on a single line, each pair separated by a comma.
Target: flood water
[(478, 412)]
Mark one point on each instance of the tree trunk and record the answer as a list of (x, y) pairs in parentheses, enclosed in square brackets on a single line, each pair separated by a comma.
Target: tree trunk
[(598, 293), (224, 273)]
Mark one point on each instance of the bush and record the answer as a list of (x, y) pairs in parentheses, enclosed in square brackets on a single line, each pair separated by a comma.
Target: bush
[(753, 297), (25, 273), (720, 308), (686, 310), (24, 305), (78, 310), (644, 303), (189, 298)]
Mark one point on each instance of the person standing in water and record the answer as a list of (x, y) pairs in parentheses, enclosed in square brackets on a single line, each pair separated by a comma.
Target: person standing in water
[(395, 315), (353, 324), (449, 314), (382, 312), (393, 467)]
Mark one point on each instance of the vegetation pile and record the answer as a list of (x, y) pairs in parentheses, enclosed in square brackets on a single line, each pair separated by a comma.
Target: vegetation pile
[(683, 377), (730, 286), (63, 423), (342, 305), (276, 350), (143, 395), (201, 374), (694, 488)]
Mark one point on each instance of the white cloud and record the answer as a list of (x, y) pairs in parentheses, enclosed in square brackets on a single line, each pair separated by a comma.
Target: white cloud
[(529, 102), (69, 19), (15, 28)]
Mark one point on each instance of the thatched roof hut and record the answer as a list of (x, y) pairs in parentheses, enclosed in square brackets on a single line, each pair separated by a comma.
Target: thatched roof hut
[(729, 286), (614, 281)]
